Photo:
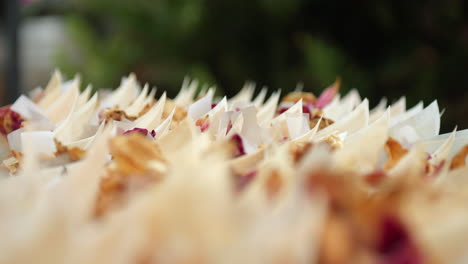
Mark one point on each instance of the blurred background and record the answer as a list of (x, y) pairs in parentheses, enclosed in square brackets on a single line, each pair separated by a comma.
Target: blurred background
[(382, 48)]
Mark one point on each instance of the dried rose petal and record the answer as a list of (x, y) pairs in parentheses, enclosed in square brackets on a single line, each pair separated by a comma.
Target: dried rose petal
[(394, 151), (438, 167), (429, 157), (142, 131), (239, 150), (9, 120), (282, 110), (434, 170), (459, 159), (241, 181), (205, 126), (273, 184), (375, 177), (394, 244), (333, 141), (229, 127), (179, 113), (73, 153), (108, 114), (111, 188), (132, 153), (145, 109), (318, 116), (306, 109), (294, 97), (327, 96), (203, 123), (298, 150), (131, 170)]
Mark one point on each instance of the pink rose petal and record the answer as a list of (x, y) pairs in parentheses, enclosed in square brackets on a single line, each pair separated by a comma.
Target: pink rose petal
[(327, 96)]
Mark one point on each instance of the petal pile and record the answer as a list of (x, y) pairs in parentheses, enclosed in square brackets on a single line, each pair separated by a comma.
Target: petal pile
[(126, 176)]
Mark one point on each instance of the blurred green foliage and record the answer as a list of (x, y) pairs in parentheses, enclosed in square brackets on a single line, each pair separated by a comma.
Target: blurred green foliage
[(383, 48)]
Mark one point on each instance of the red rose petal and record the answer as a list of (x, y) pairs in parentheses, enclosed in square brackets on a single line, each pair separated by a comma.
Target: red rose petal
[(239, 145), (395, 245), (9, 120), (142, 131)]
